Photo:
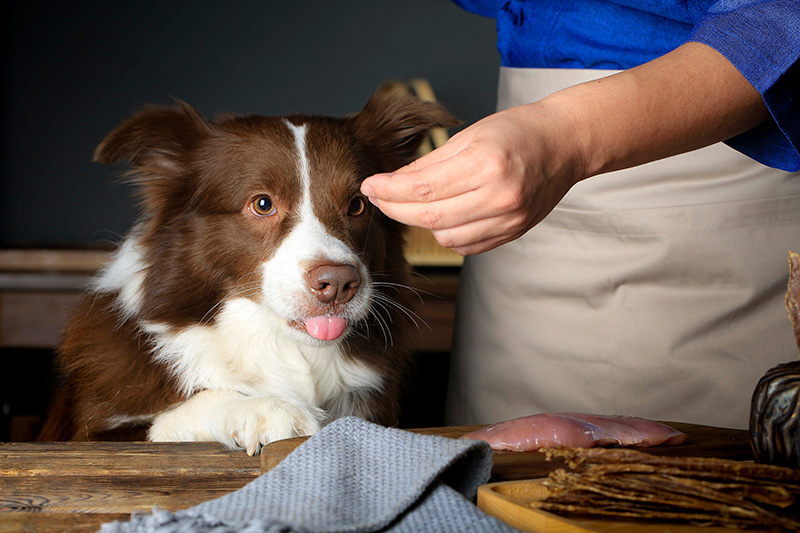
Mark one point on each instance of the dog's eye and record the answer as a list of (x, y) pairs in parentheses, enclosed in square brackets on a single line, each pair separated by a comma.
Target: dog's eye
[(356, 207), (263, 206)]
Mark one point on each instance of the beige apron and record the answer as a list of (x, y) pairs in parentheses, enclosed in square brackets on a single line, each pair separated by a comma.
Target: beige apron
[(655, 291)]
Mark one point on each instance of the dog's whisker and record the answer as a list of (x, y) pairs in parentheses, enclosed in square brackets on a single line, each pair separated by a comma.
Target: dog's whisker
[(381, 324), (388, 275), (392, 301), (405, 310), (379, 303), (397, 286), (246, 292), (369, 227), (384, 324), (358, 333), (423, 276), (365, 321), (252, 273)]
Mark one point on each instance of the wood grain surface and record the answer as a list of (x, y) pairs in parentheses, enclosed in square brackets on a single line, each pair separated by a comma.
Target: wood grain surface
[(75, 487)]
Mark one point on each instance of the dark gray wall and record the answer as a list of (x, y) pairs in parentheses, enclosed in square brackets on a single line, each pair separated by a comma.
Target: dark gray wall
[(74, 70)]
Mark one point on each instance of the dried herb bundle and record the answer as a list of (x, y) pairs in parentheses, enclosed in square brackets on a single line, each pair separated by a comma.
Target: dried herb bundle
[(634, 484), (793, 295)]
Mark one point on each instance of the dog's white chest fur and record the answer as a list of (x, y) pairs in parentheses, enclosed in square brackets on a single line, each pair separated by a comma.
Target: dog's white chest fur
[(245, 351), (248, 384)]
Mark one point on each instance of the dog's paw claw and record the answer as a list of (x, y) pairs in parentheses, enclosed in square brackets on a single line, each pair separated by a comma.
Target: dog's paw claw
[(256, 422)]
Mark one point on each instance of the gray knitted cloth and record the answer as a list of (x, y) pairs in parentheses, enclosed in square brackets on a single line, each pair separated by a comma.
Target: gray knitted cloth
[(353, 476)]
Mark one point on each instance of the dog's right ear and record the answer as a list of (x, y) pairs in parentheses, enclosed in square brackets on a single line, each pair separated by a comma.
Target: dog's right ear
[(158, 141)]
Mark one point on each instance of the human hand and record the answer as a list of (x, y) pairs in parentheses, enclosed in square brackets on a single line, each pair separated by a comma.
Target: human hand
[(495, 180), (490, 183)]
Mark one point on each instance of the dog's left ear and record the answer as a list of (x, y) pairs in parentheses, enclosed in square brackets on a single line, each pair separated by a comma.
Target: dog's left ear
[(395, 125)]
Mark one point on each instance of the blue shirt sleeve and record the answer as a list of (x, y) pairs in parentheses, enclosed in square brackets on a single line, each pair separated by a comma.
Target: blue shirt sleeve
[(485, 8), (762, 40)]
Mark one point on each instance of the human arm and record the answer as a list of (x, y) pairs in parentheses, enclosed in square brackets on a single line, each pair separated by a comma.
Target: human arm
[(496, 179)]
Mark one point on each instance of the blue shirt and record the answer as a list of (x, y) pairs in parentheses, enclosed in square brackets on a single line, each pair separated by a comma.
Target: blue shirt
[(761, 38)]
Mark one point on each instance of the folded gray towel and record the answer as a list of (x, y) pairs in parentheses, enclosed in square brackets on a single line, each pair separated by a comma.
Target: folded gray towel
[(353, 476)]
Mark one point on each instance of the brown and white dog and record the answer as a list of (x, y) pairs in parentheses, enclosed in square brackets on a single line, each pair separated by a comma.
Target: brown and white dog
[(260, 295)]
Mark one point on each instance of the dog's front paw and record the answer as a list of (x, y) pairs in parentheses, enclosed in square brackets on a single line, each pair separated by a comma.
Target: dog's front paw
[(238, 421), (173, 426), (254, 422)]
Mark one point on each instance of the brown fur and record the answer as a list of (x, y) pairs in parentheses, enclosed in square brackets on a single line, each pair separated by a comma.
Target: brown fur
[(196, 178)]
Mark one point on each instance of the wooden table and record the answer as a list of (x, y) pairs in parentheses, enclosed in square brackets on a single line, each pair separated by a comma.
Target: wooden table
[(78, 486)]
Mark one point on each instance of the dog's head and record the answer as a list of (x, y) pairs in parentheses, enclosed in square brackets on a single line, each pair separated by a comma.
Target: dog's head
[(268, 209)]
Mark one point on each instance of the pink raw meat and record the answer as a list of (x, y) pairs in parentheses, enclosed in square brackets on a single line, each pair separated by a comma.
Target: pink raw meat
[(575, 429)]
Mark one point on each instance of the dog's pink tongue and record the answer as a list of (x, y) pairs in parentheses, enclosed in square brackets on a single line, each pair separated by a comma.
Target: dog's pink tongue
[(325, 328)]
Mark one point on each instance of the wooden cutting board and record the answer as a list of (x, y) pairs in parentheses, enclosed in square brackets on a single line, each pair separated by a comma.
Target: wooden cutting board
[(704, 441), (508, 501)]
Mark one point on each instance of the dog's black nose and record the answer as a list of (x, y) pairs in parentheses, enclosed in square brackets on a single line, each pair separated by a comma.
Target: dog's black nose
[(333, 283)]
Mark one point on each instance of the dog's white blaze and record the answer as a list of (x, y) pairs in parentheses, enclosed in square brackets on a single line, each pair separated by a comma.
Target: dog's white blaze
[(284, 284), (299, 133)]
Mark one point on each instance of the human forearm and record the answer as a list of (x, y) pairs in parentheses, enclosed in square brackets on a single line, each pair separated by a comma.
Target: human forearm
[(687, 99)]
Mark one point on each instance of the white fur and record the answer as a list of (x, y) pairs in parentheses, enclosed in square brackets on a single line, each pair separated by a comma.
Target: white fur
[(247, 350), (251, 377), (120, 420), (125, 273), (234, 419)]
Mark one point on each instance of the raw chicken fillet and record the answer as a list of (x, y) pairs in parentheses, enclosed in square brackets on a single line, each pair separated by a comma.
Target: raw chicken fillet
[(548, 430)]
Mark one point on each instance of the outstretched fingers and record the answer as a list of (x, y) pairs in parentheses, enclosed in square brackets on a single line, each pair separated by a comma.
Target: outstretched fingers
[(448, 213), (439, 180)]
